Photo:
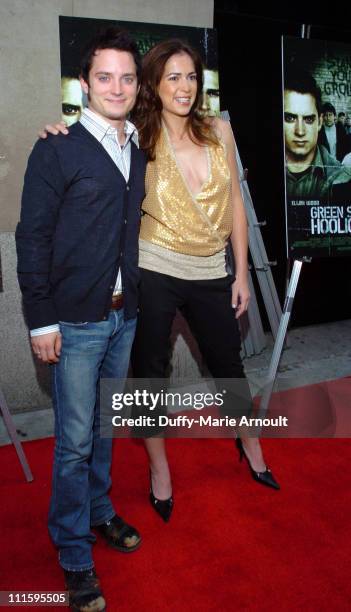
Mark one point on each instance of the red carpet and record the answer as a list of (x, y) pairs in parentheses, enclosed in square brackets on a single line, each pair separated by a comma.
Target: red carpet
[(231, 543)]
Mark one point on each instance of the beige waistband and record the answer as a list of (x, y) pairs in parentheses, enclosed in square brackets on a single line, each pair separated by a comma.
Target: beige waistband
[(188, 267)]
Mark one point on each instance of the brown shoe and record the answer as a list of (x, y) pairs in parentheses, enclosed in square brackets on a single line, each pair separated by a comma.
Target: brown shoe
[(84, 591), (119, 534)]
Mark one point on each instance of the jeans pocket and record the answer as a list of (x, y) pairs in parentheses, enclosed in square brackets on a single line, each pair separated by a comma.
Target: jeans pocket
[(78, 324)]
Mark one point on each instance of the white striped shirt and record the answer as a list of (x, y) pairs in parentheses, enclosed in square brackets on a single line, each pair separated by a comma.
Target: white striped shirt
[(120, 154), (108, 137)]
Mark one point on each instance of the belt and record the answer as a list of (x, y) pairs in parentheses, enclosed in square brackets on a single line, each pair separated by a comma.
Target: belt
[(117, 302)]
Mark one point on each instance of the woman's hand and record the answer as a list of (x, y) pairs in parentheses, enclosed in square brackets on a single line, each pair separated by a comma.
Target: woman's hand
[(58, 128), (240, 296)]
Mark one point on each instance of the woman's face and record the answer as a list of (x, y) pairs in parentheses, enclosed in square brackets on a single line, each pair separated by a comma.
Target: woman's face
[(178, 85)]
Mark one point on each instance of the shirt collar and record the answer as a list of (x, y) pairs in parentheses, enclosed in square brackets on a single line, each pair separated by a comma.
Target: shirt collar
[(100, 128), (316, 168), (326, 167)]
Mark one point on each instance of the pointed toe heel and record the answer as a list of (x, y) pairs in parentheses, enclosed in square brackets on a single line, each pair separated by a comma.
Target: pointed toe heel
[(265, 478), (163, 507)]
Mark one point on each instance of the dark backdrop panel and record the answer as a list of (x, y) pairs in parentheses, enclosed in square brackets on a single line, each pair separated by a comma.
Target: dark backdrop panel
[(249, 50)]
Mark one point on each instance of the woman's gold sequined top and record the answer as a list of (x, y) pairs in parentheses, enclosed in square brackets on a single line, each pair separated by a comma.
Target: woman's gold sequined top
[(175, 219)]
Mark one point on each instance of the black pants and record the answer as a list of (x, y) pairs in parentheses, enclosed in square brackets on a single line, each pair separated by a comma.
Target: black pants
[(206, 306)]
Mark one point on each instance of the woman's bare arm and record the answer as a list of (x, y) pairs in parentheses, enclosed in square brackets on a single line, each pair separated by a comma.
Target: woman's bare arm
[(239, 236)]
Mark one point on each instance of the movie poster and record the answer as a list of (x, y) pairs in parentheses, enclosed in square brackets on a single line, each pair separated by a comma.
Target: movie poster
[(76, 31), (317, 141)]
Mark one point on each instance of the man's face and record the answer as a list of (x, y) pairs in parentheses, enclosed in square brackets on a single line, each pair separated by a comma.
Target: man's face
[(342, 119), (329, 119), (72, 102), (210, 93), (301, 125), (112, 88)]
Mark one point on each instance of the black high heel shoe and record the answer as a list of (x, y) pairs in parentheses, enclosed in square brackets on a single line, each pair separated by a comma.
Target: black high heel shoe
[(163, 507), (266, 478)]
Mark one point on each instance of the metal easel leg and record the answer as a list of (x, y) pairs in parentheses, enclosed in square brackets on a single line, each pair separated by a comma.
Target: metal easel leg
[(279, 342), (14, 437)]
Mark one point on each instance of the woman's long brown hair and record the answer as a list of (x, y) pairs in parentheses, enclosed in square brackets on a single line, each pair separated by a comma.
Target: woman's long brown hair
[(147, 112)]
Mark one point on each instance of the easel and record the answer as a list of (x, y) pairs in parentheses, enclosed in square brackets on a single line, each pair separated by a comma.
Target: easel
[(14, 437), (279, 342), (284, 321), (253, 335), (6, 415)]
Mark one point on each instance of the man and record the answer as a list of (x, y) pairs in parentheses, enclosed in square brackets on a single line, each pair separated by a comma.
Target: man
[(311, 172), (348, 125), (210, 93), (77, 244), (332, 134), (72, 99), (342, 118)]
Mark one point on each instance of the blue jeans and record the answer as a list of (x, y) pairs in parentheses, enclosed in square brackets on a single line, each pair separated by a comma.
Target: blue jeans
[(81, 474)]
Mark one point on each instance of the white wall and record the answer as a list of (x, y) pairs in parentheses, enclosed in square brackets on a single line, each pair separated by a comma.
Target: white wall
[(30, 70), (30, 97)]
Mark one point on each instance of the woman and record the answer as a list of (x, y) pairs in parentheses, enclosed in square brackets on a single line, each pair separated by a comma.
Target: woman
[(193, 206)]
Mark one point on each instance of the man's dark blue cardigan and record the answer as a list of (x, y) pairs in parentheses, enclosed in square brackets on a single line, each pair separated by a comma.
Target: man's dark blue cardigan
[(79, 224)]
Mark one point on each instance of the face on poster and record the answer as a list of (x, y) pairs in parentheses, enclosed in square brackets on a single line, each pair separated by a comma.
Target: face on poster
[(75, 32), (317, 144)]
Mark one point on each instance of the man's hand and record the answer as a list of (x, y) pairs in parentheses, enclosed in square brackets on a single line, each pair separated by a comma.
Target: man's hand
[(58, 128), (240, 296), (47, 347)]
